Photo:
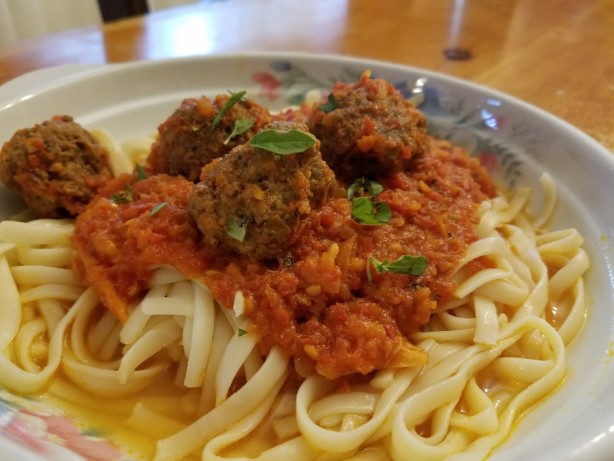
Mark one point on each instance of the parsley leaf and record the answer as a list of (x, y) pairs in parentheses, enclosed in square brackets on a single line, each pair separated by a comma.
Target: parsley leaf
[(406, 264), (366, 211), (365, 185), (157, 208), (123, 197), (283, 142), (382, 212), (240, 126), (330, 105), (236, 228), (234, 98), (140, 173)]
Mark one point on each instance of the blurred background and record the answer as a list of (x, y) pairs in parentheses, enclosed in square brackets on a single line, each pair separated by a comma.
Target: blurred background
[(555, 54), (23, 19)]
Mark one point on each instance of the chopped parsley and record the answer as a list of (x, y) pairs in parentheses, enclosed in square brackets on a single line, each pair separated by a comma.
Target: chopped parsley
[(234, 99), (236, 228), (123, 197), (241, 332), (330, 105), (364, 186), (140, 173), (283, 142), (371, 213), (406, 264), (240, 126), (288, 261), (157, 208), (365, 209)]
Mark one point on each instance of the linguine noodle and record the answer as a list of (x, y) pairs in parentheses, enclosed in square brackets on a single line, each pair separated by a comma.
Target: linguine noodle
[(494, 351)]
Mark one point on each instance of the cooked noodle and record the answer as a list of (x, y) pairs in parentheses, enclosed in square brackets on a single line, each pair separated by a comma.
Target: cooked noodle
[(494, 351)]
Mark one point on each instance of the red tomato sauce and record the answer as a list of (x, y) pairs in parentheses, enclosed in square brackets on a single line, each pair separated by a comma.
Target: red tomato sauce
[(120, 238), (315, 302)]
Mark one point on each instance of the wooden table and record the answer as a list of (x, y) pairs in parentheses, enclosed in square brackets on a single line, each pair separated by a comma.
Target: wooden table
[(555, 54)]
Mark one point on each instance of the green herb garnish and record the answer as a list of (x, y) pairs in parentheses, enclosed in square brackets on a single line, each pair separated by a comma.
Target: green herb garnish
[(157, 208), (283, 142), (140, 173), (364, 185), (236, 228), (234, 98), (240, 126), (123, 197), (366, 211), (406, 264), (329, 105), (241, 332)]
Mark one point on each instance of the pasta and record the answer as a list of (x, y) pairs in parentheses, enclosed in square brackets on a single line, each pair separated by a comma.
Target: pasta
[(183, 373), (458, 400)]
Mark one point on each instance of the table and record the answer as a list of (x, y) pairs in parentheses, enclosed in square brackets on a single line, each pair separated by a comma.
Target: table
[(555, 54)]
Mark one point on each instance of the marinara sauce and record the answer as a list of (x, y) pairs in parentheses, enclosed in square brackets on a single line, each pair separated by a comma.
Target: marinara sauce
[(131, 228), (316, 301)]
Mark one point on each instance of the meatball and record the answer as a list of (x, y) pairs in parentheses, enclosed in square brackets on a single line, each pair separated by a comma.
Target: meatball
[(188, 139), (262, 194), (57, 167), (369, 130)]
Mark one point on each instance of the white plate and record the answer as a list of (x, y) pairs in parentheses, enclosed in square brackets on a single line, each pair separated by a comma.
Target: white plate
[(516, 140), (27, 83)]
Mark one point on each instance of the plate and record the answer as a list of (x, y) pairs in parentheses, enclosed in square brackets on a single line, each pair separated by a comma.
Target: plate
[(514, 140)]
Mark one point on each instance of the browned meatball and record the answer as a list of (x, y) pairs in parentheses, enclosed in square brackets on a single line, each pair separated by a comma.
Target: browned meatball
[(188, 140), (57, 167), (372, 130), (263, 194)]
